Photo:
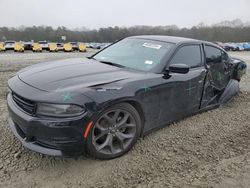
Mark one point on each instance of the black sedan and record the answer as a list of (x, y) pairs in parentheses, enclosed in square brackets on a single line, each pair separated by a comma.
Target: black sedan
[(103, 104)]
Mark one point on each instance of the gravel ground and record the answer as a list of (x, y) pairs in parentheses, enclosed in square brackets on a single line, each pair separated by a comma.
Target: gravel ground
[(211, 149)]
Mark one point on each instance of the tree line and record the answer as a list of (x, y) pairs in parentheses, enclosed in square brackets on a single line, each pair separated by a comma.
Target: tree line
[(111, 34)]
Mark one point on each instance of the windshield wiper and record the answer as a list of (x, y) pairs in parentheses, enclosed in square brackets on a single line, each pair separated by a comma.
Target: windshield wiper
[(108, 63), (112, 64)]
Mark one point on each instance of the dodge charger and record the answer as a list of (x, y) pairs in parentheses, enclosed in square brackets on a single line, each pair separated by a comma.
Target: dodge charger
[(102, 104)]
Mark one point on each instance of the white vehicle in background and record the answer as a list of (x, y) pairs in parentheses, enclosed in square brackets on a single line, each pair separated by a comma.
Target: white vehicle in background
[(74, 46), (87, 44), (44, 45), (9, 45), (60, 46)]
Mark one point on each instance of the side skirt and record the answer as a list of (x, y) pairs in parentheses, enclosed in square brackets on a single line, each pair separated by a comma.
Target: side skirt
[(211, 107)]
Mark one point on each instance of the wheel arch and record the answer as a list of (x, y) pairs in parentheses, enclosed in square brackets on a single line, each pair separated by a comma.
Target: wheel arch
[(139, 109)]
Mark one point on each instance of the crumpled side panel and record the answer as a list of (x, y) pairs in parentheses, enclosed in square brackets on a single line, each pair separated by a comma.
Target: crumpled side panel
[(231, 90)]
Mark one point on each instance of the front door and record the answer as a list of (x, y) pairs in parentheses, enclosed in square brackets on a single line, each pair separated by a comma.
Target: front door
[(181, 93)]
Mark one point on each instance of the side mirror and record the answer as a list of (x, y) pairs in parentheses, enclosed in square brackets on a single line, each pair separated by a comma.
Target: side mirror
[(179, 68)]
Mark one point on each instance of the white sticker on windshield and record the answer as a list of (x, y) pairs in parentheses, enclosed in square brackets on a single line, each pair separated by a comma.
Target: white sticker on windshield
[(150, 45), (148, 62)]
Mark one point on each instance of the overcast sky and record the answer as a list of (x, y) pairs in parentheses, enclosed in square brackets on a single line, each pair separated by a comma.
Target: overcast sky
[(102, 13)]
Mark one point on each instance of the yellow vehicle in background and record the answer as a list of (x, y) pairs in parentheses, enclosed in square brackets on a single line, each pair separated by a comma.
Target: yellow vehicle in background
[(53, 47), (82, 47), (67, 47), (37, 47), (18, 47), (2, 48)]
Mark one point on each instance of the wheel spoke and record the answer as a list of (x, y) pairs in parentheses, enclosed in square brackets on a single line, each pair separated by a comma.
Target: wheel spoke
[(109, 119), (106, 143), (101, 128), (121, 142), (122, 136), (110, 144), (126, 125), (105, 132), (124, 120), (117, 112)]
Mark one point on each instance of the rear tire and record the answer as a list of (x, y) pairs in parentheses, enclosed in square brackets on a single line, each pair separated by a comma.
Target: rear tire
[(115, 132)]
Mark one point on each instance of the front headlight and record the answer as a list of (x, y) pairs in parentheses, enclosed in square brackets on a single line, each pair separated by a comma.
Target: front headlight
[(59, 110)]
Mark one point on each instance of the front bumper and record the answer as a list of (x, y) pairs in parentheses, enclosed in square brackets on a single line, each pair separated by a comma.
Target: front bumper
[(50, 136)]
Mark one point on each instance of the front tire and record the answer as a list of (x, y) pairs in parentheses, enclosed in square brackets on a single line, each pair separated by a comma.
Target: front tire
[(115, 132)]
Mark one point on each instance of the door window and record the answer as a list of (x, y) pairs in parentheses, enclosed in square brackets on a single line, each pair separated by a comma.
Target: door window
[(213, 55), (189, 55)]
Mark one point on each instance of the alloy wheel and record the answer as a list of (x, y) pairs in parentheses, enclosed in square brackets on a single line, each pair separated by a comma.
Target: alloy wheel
[(114, 131)]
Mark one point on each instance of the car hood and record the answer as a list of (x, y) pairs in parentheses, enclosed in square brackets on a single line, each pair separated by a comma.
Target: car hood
[(72, 74)]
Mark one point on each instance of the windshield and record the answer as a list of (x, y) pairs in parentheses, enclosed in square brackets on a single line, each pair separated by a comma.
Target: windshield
[(139, 54)]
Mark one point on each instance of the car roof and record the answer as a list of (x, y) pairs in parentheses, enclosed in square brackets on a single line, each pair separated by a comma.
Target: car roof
[(170, 39), (10, 41)]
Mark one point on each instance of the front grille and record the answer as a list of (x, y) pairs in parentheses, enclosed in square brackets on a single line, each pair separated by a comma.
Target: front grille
[(25, 104)]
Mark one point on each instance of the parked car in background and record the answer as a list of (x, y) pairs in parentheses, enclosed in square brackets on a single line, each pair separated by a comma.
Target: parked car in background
[(239, 47), (220, 44), (9, 45), (233, 47), (27, 45), (53, 47), (19, 47), (90, 45), (44, 45), (2, 48), (229, 47), (246, 46), (223, 45), (95, 45), (87, 44), (82, 47), (67, 47), (60, 46), (75, 46), (104, 45), (37, 47)]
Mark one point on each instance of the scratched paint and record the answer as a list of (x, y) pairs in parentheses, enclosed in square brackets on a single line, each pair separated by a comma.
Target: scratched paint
[(145, 88), (67, 97), (220, 76), (190, 88)]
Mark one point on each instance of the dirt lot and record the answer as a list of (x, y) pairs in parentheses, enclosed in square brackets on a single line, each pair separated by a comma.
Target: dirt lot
[(207, 150)]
